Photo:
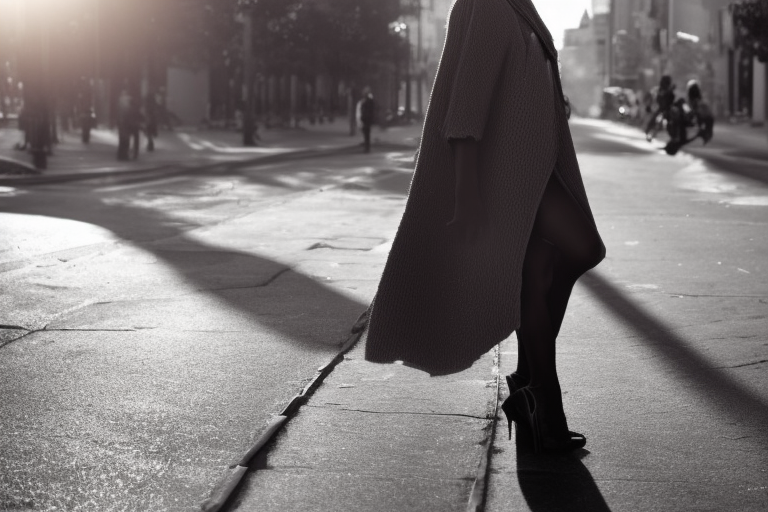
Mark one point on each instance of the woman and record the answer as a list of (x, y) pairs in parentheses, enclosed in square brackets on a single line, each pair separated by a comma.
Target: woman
[(497, 164)]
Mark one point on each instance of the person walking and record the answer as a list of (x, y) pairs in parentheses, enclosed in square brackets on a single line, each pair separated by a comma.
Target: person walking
[(135, 121), (665, 98), (497, 227), (367, 115), (123, 125)]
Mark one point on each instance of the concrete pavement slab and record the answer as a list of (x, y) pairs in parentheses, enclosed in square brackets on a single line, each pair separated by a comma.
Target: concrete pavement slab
[(662, 354), (136, 420), (378, 437)]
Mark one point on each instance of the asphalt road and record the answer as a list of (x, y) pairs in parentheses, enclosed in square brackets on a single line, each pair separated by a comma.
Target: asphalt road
[(159, 325), (150, 328)]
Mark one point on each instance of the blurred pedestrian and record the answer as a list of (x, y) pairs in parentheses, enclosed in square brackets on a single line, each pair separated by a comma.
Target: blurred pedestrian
[(366, 108), (665, 98), (702, 117), (150, 118), (497, 164), (135, 121), (123, 125), (24, 128)]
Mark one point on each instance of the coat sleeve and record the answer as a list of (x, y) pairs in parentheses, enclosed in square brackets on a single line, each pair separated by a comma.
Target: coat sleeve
[(484, 28)]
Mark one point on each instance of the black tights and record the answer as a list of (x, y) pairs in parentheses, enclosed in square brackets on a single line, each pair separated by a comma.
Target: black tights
[(564, 244)]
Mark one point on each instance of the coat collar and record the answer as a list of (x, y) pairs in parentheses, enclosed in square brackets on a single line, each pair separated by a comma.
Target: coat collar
[(526, 10)]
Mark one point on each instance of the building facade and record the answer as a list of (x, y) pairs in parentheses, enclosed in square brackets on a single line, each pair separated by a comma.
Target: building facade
[(688, 40), (582, 64)]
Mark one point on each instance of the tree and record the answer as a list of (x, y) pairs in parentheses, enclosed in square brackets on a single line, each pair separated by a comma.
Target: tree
[(751, 20)]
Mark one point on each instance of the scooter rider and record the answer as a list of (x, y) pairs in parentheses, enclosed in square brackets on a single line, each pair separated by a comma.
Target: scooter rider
[(665, 98), (700, 114)]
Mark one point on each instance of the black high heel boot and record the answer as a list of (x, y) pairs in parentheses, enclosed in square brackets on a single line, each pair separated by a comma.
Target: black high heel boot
[(509, 411), (526, 414), (516, 381)]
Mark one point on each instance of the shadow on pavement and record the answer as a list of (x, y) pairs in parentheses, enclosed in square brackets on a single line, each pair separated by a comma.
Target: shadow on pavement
[(308, 312), (558, 483), (726, 393)]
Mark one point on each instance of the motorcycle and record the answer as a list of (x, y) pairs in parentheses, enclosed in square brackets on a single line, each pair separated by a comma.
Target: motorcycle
[(682, 116)]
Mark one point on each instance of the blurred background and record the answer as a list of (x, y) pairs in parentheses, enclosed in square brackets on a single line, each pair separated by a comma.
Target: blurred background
[(210, 62), (243, 63), (623, 47)]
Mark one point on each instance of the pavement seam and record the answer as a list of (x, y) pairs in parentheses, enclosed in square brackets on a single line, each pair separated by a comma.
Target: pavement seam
[(479, 492), (13, 328), (260, 285), (223, 492), (754, 363), (64, 255), (402, 413)]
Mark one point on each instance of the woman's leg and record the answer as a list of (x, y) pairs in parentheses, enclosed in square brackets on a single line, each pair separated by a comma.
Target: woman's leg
[(564, 244)]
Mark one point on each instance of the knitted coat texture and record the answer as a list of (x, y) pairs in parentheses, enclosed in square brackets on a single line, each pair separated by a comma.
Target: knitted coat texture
[(443, 303)]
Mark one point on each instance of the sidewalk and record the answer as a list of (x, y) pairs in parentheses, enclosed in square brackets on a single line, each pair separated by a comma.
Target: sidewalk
[(155, 387), (742, 139), (663, 364), (188, 147)]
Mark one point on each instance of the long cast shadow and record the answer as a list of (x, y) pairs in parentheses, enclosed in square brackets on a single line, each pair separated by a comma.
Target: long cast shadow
[(223, 273), (727, 394), (553, 483)]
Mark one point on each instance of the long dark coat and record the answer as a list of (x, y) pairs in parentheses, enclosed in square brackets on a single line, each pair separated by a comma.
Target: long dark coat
[(441, 303)]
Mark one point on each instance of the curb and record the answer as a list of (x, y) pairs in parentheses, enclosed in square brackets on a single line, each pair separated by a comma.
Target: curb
[(227, 487), (16, 167), (300, 154), (479, 490)]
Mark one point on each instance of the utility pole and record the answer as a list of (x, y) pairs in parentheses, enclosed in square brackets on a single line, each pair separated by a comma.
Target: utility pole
[(609, 40), (420, 63), (36, 77), (408, 73), (249, 123)]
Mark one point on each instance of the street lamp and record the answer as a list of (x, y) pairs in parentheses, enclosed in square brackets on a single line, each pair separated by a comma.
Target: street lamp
[(401, 29)]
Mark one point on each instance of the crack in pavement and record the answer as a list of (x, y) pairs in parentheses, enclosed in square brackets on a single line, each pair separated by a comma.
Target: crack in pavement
[(248, 287), (702, 296), (754, 363), (63, 256), (45, 329), (323, 245), (264, 284), (14, 328), (75, 329), (405, 413), (749, 337), (374, 476)]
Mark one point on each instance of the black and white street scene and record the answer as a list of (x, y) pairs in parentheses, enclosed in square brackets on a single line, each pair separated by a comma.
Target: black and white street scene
[(384, 255)]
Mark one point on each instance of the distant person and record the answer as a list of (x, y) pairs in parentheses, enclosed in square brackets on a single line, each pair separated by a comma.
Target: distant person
[(665, 99), (123, 125), (151, 113), (367, 114), (24, 128), (135, 121), (701, 114), (497, 227)]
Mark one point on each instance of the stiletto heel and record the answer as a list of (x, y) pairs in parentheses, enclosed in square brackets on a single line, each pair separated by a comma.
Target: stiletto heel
[(526, 410), (509, 411)]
